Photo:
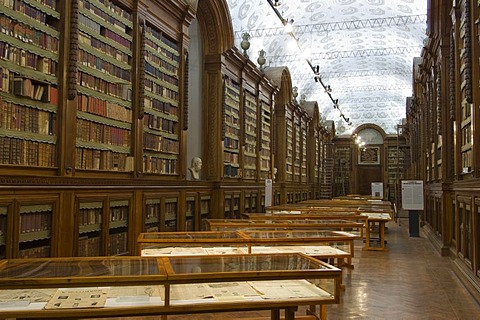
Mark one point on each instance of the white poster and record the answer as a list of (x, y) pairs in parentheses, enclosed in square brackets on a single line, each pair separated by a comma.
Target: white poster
[(377, 190), (268, 192), (412, 194)]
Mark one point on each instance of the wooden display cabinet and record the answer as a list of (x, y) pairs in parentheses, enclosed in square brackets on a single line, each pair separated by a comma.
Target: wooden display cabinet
[(104, 225), (34, 219), (140, 286), (160, 212)]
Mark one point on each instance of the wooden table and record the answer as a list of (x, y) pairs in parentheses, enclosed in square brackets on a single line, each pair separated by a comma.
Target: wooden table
[(374, 219)]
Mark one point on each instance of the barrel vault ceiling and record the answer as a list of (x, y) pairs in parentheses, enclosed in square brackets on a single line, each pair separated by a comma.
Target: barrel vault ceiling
[(363, 50)]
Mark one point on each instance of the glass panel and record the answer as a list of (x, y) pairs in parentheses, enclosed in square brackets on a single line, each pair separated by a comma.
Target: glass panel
[(78, 268)]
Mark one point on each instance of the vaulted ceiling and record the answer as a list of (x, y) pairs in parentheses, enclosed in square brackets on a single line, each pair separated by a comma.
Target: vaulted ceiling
[(364, 51)]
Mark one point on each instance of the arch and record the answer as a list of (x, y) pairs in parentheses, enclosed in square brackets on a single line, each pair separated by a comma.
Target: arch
[(281, 77), (311, 108), (367, 127), (216, 26)]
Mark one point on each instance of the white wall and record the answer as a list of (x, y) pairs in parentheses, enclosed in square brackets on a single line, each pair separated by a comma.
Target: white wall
[(194, 132)]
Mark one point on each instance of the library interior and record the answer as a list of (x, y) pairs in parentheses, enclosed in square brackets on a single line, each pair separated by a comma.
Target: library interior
[(244, 159)]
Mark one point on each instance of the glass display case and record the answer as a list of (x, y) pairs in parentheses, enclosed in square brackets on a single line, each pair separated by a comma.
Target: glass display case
[(191, 243), (333, 246), (69, 287), (287, 224)]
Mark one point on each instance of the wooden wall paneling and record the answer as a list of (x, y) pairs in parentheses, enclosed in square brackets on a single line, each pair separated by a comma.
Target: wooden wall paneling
[(66, 223)]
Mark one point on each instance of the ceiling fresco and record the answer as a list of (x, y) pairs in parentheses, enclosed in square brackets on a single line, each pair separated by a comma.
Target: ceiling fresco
[(363, 50)]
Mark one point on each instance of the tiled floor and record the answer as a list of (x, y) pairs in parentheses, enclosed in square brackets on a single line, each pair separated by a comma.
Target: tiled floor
[(410, 281)]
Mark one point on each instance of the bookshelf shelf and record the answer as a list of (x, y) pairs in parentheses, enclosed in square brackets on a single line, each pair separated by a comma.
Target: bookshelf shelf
[(231, 143), (104, 86), (29, 42), (250, 119), (35, 226)]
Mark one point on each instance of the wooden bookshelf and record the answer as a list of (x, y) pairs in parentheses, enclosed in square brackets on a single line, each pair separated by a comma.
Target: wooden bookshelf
[(90, 227), (104, 85), (4, 230), (161, 146), (250, 116), (342, 168), (231, 141), (118, 227), (265, 141), (303, 148), (29, 57), (290, 144)]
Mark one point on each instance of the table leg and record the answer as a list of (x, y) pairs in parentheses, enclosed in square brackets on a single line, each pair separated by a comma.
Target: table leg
[(290, 313), (275, 314)]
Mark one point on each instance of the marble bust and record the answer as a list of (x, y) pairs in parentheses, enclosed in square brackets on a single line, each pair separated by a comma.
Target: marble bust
[(195, 168)]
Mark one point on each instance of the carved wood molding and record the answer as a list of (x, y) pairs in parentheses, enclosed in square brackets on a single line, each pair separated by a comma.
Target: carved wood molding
[(216, 24), (73, 58), (468, 52), (452, 76), (185, 91), (141, 70)]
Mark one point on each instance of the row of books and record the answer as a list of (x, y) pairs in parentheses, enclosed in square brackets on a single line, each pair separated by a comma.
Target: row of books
[(107, 33), (168, 60), (249, 173), (229, 171), (161, 62), (89, 246), (113, 8), (162, 106), (109, 17), (118, 243), (161, 75), (232, 84), (119, 90), (104, 108), (163, 38), (97, 63), (52, 4), (27, 153), (152, 211), (160, 90), (159, 123), (30, 11), (35, 252), (232, 102), (35, 222), (18, 117), (119, 213), (90, 216), (31, 89), (231, 158), (102, 133), (159, 165), (250, 147), (102, 160), (250, 161), (159, 143), (28, 34), (231, 126), (171, 211), (104, 47), (230, 143)]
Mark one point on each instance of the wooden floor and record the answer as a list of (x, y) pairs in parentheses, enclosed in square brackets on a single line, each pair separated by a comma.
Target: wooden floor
[(409, 281)]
